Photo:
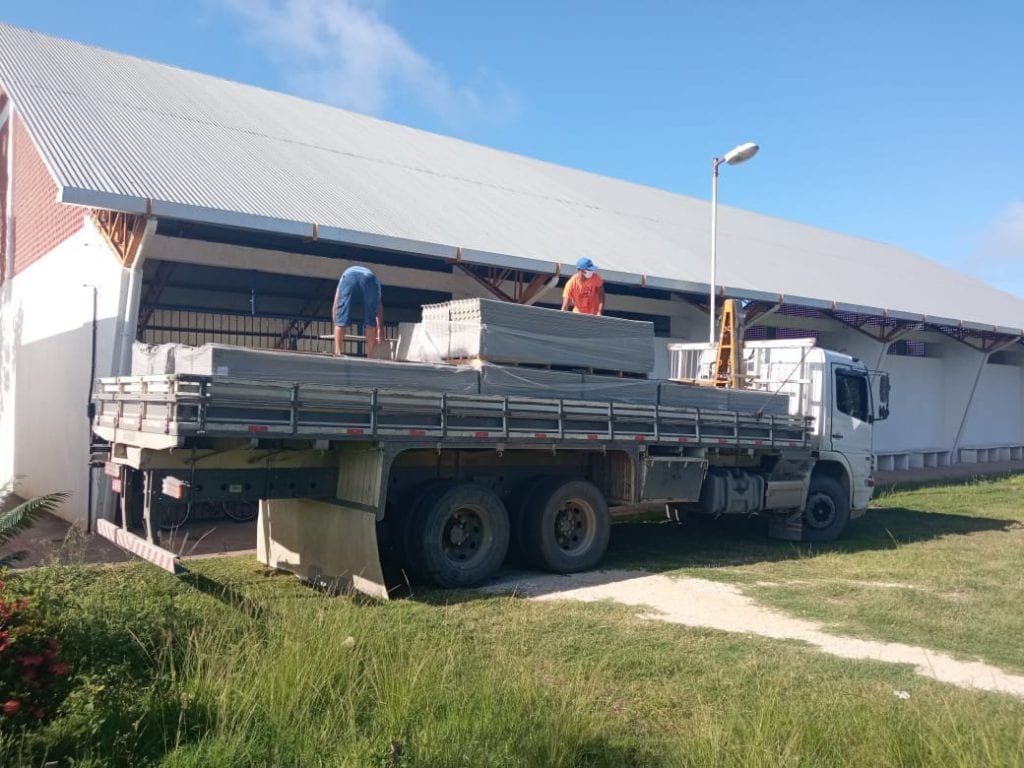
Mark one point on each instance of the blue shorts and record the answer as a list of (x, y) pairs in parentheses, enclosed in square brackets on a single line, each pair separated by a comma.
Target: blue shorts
[(361, 283)]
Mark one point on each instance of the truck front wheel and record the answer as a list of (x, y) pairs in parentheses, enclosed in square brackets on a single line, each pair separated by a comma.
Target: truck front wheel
[(827, 511), (567, 526), (461, 534)]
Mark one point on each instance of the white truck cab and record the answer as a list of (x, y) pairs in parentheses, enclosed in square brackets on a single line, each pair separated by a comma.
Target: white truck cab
[(837, 395)]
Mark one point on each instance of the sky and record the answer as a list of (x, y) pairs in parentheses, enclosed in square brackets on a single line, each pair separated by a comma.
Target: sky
[(895, 121)]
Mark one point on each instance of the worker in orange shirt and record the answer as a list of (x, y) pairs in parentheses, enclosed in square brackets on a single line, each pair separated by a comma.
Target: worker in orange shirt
[(585, 289)]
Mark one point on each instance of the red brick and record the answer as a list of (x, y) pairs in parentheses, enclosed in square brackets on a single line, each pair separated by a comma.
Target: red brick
[(40, 223)]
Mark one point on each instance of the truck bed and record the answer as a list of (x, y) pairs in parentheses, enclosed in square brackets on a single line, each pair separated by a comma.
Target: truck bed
[(165, 411)]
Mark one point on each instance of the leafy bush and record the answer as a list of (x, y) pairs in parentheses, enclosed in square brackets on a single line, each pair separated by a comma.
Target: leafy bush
[(33, 677), (24, 515)]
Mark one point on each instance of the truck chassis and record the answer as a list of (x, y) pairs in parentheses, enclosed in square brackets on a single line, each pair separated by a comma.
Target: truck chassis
[(443, 485)]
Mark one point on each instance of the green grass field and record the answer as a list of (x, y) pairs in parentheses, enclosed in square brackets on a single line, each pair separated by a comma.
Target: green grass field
[(234, 666)]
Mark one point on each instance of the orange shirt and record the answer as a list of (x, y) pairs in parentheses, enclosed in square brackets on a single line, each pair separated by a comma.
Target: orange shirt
[(586, 294)]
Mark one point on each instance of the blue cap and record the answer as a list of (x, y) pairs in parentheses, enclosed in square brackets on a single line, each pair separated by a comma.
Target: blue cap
[(584, 262)]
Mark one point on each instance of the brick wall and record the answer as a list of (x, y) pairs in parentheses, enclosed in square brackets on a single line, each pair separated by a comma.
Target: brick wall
[(39, 222), (3, 191)]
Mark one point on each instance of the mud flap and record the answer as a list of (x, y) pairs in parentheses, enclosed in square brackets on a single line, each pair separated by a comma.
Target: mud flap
[(327, 544), (787, 527)]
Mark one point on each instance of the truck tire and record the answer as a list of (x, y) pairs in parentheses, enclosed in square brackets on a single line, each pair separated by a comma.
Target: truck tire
[(524, 498), (827, 511), (567, 526), (461, 535), (405, 534)]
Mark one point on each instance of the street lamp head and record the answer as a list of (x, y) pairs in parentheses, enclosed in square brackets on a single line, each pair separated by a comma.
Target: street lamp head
[(740, 154)]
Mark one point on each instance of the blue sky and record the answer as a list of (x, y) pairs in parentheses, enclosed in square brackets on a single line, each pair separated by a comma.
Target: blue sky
[(892, 121)]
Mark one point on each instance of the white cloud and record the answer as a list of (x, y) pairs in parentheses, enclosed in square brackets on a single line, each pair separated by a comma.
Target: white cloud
[(343, 53), (1000, 259), (1007, 236)]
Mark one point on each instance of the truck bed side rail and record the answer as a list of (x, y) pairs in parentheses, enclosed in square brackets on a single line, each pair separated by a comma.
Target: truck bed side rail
[(182, 405)]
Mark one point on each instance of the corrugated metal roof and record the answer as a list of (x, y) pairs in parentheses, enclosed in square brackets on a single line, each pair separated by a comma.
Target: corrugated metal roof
[(117, 130)]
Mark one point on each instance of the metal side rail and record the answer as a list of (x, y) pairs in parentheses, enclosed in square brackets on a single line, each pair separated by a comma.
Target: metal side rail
[(161, 411)]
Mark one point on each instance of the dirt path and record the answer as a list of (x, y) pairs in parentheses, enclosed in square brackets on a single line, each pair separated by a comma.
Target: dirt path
[(701, 603)]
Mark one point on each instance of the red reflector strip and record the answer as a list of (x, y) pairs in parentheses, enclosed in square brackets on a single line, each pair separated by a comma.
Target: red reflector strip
[(870, 482), (257, 428), (638, 438), (683, 439), (418, 432), (540, 435), (722, 441), (354, 431), (481, 434), (591, 437)]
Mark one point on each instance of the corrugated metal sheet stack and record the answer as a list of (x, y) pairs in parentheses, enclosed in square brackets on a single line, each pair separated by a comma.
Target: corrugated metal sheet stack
[(240, 362), (504, 332), (681, 395), (530, 382), (482, 378)]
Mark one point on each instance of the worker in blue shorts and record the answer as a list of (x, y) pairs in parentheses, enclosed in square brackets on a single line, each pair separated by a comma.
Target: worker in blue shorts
[(360, 284)]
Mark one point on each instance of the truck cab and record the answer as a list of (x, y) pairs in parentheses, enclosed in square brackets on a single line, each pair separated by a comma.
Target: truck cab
[(839, 398)]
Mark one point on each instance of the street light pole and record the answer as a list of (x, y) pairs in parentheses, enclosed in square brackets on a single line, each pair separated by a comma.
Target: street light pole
[(734, 156), (715, 162)]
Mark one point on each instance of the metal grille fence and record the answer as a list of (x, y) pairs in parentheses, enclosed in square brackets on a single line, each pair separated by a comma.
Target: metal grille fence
[(197, 328)]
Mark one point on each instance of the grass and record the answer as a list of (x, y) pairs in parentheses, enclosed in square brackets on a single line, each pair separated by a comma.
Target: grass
[(232, 666), (938, 566)]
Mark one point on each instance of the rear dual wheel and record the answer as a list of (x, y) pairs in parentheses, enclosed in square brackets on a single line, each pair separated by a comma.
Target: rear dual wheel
[(457, 535), (564, 525)]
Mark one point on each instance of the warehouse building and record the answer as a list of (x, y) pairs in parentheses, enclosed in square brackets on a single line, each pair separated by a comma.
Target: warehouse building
[(143, 202)]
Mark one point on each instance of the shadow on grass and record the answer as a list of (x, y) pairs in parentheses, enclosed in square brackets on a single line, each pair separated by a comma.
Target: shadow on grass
[(226, 594), (700, 542), (709, 543)]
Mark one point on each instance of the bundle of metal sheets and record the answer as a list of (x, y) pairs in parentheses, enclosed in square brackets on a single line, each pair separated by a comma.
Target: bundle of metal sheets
[(681, 395), (415, 344), (241, 362), (751, 400), (504, 332), (620, 389), (530, 382), (152, 359)]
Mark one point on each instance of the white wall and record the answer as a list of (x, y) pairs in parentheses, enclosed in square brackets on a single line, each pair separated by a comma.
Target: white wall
[(914, 404), (994, 417), (934, 399), (46, 323)]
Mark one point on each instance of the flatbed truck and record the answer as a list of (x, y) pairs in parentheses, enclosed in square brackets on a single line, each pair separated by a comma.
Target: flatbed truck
[(446, 485)]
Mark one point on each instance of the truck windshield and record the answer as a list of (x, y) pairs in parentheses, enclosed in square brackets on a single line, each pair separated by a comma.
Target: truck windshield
[(852, 394)]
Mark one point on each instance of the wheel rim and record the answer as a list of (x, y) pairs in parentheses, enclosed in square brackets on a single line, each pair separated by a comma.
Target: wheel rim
[(575, 526), (820, 511), (463, 535)]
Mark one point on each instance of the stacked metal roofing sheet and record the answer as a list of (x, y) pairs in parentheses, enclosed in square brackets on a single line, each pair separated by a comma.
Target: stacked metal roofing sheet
[(221, 360), (503, 332), (125, 133), (239, 362)]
